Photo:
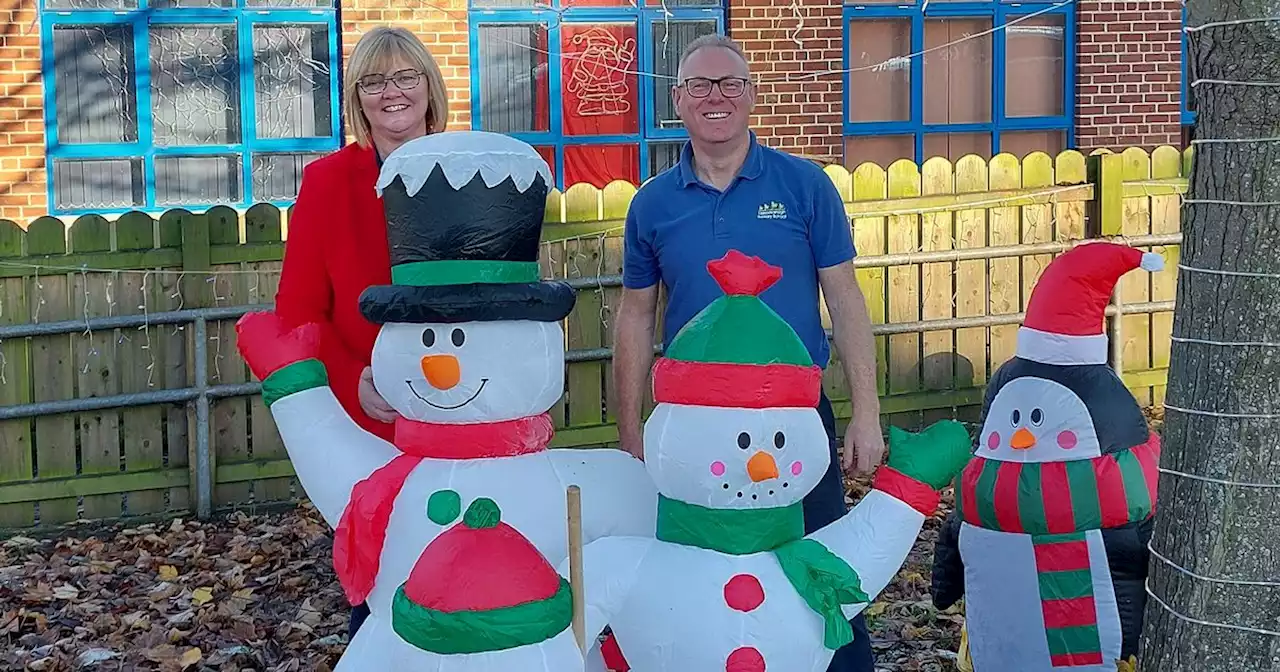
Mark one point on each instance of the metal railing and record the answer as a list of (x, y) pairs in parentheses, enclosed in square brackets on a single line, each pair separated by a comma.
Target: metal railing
[(202, 394)]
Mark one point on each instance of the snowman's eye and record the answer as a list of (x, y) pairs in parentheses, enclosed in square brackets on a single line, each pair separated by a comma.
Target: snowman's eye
[(429, 337), (1017, 417), (458, 338), (779, 440), (1037, 416), (744, 440)]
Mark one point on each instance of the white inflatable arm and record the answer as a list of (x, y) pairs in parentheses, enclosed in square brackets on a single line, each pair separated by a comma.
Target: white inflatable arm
[(619, 498), (874, 539), (610, 568)]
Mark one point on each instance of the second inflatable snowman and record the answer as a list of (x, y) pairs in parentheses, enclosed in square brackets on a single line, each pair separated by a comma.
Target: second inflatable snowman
[(734, 444), (471, 355)]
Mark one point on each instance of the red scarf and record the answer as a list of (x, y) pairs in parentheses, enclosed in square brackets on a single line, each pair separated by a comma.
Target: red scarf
[(362, 531)]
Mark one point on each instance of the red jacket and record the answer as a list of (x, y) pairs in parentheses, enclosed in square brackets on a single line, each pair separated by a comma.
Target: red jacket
[(336, 247)]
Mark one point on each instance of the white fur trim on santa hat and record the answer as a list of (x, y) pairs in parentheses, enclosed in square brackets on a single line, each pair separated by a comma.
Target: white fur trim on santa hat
[(1049, 348)]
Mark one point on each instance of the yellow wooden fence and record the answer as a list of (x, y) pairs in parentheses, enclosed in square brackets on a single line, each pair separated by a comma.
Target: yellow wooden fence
[(141, 460)]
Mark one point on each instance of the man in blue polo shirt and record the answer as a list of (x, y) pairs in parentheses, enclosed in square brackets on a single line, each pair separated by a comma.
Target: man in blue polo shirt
[(730, 192)]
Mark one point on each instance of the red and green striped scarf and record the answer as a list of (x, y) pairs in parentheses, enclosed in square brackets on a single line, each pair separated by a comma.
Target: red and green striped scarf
[(1056, 503)]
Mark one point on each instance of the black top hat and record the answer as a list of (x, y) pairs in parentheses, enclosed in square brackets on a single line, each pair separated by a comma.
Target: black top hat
[(464, 214)]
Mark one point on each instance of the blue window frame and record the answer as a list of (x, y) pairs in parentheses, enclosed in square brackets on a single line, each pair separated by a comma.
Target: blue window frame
[(929, 49), (535, 67), (155, 104), (1188, 111)]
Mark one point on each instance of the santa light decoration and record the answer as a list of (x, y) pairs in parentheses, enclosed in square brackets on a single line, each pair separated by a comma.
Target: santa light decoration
[(734, 444), (471, 355), (1048, 543)]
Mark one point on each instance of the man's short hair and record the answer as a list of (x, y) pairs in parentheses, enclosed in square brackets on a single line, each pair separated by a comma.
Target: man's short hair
[(711, 40)]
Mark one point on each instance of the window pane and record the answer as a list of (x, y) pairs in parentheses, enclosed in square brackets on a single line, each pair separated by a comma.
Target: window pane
[(289, 3), (292, 80), (683, 3), (663, 155), (880, 70), (954, 146), (507, 3), (599, 79), (1034, 67), (957, 73), (190, 4), (94, 88), (91, 4), (601, 164), (277, 176), (513, 78), (1022, 143), (597, 3), (99, 183), (195, 92), (669, 40), (881, 150), (194, 180)]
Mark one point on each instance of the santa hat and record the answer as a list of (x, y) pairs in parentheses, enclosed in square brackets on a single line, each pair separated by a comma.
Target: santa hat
[(1066, 316), (737, 352), (479, 586)]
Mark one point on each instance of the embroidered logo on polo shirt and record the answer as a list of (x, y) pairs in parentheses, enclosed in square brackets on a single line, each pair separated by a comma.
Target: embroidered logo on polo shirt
[(772, 210)]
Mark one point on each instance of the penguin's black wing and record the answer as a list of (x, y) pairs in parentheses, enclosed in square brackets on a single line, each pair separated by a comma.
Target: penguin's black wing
[(1127, 557), (948, 567)]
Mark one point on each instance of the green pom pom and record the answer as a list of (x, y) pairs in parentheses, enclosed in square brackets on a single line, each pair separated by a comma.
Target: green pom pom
[(482, 513), (444, 506)]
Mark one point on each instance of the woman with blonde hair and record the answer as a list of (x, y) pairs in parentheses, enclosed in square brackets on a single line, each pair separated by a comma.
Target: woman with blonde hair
[(337, 242)]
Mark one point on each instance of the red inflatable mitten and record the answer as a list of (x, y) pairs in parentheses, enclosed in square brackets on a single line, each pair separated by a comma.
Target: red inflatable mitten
[(284, 359)]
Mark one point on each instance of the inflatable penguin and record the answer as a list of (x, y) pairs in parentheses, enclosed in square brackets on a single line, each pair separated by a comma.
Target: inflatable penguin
[(471, 355), (1048, 542)]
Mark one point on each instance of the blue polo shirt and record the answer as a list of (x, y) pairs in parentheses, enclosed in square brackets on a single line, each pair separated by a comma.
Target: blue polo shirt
[(780, 208)]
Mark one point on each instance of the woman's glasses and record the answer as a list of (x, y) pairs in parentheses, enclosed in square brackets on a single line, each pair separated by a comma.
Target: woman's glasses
[(377, 83), (730, 87)]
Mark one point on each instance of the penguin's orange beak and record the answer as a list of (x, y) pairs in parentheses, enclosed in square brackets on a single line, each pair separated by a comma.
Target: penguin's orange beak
[(762, 467), (442, 371), (1022, 439)]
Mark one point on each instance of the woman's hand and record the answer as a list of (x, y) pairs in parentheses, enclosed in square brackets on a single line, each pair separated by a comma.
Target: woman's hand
[(371, 402)]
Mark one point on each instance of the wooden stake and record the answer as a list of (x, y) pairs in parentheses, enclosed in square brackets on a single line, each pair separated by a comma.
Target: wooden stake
[(574, 500)]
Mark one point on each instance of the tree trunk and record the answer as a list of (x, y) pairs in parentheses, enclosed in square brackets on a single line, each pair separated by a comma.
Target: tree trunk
[(1225, 532)]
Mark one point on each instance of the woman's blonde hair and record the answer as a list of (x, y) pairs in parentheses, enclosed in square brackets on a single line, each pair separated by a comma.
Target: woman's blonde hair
[(372, 55)]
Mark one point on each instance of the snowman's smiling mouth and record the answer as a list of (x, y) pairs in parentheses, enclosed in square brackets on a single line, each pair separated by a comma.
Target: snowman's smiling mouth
[(428, 402)]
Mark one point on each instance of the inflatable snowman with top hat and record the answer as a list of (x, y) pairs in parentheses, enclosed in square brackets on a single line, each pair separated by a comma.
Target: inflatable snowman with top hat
[(1048, 540), (471, 355), (732, 582)]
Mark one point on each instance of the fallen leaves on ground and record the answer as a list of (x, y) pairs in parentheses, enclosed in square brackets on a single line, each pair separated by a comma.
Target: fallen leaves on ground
[(236, 593), (244, 592)]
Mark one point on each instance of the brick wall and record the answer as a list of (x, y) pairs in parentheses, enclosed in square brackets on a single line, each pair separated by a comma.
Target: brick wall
[(802, 117), (1129, 74), (441, 25), (22, 176)]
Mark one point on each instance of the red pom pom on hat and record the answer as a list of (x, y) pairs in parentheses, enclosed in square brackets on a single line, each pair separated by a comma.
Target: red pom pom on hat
[(1066, 316), (740, 275)]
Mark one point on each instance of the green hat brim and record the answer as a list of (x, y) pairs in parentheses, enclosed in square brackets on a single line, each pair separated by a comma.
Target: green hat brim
[(461, 632)]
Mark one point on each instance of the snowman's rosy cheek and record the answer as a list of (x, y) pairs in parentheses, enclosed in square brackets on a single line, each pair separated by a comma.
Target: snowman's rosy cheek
[(717, 468), (796, 468), (993, 441), (1067, 439)]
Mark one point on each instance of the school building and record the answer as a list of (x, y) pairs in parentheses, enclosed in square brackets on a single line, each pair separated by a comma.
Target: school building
[(108, 106)]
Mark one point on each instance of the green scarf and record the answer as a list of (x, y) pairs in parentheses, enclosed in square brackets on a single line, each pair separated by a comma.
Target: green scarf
[(822, 578)]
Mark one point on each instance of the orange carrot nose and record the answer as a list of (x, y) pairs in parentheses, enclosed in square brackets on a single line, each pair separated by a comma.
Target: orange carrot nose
[(762, 467), (442, 371), (1022, 439)]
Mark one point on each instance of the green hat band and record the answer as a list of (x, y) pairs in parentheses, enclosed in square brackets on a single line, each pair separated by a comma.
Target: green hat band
[(464, 272), (739, 330), (449, 633)]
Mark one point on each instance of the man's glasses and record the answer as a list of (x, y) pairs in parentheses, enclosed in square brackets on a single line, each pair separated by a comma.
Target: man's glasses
[(375, 84), (730, 87)]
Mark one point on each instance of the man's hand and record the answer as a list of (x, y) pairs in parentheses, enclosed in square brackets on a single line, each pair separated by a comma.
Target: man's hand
[(371, 402), (863, 446), (632, 441)]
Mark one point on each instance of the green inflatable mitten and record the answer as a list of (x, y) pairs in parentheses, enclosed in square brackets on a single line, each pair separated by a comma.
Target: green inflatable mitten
[(934, 456)]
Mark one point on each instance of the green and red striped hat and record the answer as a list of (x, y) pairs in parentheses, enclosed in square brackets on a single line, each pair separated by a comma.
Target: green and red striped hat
[(738, 352)]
